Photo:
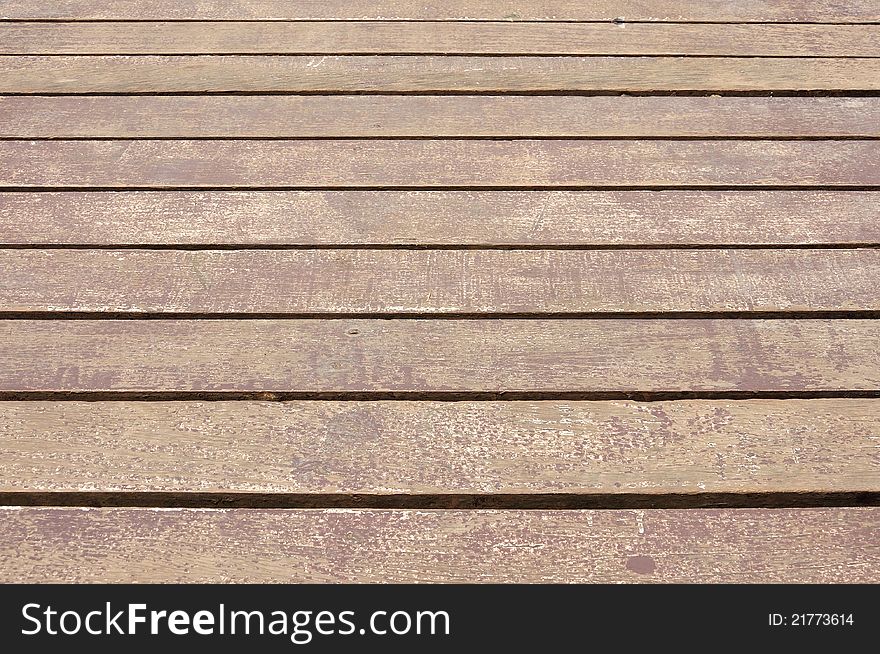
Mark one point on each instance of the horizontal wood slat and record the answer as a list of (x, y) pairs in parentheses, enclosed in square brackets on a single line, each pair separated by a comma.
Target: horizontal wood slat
[(518, 355), (441, 447), (378, 37), (430, 74), (152, 545), (472, 218), (438, 282), (437, 163), (565, 10), (435, 116)]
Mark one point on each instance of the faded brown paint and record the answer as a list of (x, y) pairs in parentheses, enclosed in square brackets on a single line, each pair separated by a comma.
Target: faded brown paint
[(511, 10), (751, 446), (437, 163), (435, 116), (528, 355), (413, 74), (394, 546), (476, 218), (438, 281), (384, 37)]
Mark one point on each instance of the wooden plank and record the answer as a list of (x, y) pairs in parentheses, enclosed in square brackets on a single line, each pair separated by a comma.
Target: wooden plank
[(435, 116), (512, 10), (473, 218), (389, 37), (437, 163), (442, 356), (430, 74), (438, 281), (401, 447), (390, 546)]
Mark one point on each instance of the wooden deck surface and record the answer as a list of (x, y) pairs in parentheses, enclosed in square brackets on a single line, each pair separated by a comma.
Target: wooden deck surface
[(394, 291)]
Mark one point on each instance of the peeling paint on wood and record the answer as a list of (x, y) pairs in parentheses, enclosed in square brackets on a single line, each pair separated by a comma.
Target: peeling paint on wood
[(472, 218), (498, 355), (438, 281), (690, 446), (370, 546)]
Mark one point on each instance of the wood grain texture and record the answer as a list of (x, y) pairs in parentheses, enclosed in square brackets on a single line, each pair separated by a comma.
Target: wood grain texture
[(389, 37), (510, 10), (429, 74), (472, 218), (435, 116), (320, 546), (439, 281), (441, 447), (437, 163), (513, 355)]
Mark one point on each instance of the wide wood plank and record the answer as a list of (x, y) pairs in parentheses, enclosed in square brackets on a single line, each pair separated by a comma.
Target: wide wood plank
[(435, 116), (401, 447), (437, 163), (442, 356), (438, 282), (510, 10), (388, 37), (474, 218), (429, 74), (319, 546)]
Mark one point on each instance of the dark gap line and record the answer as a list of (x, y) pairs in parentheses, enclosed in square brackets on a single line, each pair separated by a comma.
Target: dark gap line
[(407, 53), (864, 314), (754, 93), (559, 501), (461, 187), (199, 247), (491, 21), (454, 137), (426, 396)]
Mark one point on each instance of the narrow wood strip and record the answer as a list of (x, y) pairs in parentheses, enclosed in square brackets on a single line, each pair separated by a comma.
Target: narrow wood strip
[(438, 282), (430, 74), (566, 10), (513, 355), (754, 446), (470, 218), (435, 116), (376, 546), (388, 37), (437, 163)]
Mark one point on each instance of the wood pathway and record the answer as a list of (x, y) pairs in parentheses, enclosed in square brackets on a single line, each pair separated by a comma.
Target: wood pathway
[(394, 291)]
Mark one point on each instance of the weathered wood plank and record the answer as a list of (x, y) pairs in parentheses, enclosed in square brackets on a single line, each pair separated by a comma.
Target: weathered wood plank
[(750, 446), (437, 163), (438, 281), (435, 116), (512, 10), (350, 545), (473, 218), (430, 74), (389, 37), (500, 355)]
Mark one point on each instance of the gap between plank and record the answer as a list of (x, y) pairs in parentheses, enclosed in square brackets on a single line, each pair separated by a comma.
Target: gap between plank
[(608, 21), (560, 501), (805, 93), (857, 314), (406, 53), (512, 247), (464, 187), (458, 137), (430, 396)]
